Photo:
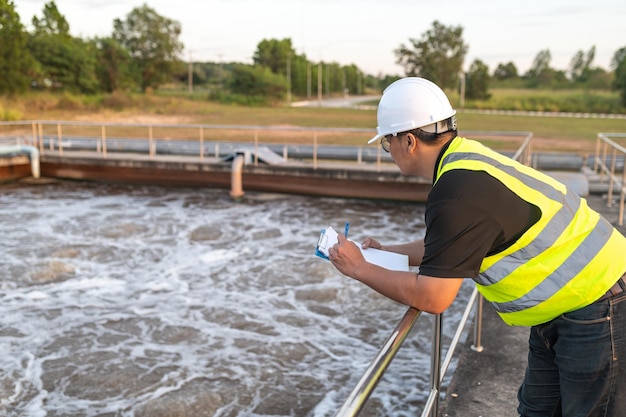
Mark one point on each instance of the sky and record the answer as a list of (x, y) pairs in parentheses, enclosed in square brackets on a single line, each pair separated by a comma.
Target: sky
[(366, 32)]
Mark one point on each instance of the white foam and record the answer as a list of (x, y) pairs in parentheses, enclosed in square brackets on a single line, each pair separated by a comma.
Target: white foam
[(217, 256), (249, 307)]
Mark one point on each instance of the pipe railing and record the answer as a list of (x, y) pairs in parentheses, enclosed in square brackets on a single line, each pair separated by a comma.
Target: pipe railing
[(355, 402), (361, 392), (203, 140), (101, 143), (606, 164)]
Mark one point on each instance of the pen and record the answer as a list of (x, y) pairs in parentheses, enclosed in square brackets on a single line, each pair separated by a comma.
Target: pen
[(346, 229)]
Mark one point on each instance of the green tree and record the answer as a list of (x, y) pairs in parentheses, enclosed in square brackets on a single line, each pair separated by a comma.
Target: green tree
[(599, 79), (437, 56), (618, 57), (477, 81), (506, 71), (580, 65), (541, 74), (114, 69), (257, 83), (274, 54), (153, 43), (541, 64), (618, 63), (300, 75), (52, 22), (15, 59), (64, 61)]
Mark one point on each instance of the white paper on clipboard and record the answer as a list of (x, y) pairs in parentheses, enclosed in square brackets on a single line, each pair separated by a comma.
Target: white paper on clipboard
[(389, 260)]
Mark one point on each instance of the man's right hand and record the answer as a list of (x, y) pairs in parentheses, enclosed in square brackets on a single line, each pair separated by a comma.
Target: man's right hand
[(370, 242)]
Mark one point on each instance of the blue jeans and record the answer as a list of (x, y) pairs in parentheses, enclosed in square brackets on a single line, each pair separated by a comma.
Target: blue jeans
[(577, 364)]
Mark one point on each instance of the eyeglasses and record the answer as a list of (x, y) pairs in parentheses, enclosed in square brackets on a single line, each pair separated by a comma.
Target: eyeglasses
[(385, 142)]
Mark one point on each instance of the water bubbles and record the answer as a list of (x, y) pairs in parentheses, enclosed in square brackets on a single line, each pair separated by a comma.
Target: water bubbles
[(149, 301)]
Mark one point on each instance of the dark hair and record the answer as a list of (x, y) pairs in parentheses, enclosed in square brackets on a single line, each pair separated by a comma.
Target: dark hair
[(432, 138)]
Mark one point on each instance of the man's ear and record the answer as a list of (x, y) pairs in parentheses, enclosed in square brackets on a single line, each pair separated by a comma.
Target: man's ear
[(412, 141)]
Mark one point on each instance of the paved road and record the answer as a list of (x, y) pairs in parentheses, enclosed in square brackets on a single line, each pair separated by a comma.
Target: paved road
[(350, 101)]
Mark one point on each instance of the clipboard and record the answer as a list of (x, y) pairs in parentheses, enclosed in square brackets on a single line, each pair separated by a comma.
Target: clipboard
[(389, 260)]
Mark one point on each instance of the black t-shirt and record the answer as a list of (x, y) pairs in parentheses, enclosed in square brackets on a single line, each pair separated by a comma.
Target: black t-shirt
[(470, 215)]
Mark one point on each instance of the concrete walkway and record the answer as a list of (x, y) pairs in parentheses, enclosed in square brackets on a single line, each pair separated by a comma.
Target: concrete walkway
[(485, 384)]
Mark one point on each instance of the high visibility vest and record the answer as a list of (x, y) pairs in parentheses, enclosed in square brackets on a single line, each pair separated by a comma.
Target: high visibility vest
[(567, 260)]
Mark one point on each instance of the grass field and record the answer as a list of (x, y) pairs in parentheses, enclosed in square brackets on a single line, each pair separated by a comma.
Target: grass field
[(556, 133)]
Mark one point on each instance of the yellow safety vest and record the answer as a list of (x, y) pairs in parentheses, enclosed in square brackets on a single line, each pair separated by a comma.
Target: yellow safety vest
[(565, 261)]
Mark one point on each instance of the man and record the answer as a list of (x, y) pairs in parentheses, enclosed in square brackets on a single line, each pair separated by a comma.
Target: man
[(536, 251)]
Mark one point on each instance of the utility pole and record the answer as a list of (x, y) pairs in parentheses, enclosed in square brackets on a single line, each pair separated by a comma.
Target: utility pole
[(462, 93), (308, 80), (328, 81), (289, 78), (190, 74), (319, 84), (221, 73)]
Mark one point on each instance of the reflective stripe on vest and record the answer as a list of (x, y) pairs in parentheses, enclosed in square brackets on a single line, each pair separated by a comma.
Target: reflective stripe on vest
[(565, 261)]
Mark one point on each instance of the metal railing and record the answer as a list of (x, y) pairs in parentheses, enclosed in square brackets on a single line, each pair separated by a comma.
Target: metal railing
[(606, 164), (55, 136), (357, 399), (205, 141)]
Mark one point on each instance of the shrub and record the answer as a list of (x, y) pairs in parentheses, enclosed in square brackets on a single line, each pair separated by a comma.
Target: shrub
[(117, 101), (9, 115), (69, 102)]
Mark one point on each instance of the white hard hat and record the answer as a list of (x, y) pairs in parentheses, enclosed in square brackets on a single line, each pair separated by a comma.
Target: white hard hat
[(411, 103)]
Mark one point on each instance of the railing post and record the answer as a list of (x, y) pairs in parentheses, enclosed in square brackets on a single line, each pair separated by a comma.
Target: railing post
[(40, 134), (435, 363), (150, 142), (609, 199), (620, 218), (201, 143), (104, 142), (604, 151), (256, 147), (478, 325), (35, 141), (60, 139), (315, 149), (595, 162)]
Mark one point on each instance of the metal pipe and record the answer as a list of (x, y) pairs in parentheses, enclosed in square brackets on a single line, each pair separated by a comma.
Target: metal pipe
[(361, 392), (478, 325), (457, 336), (236, 187), (435, 362), (33, 154)]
